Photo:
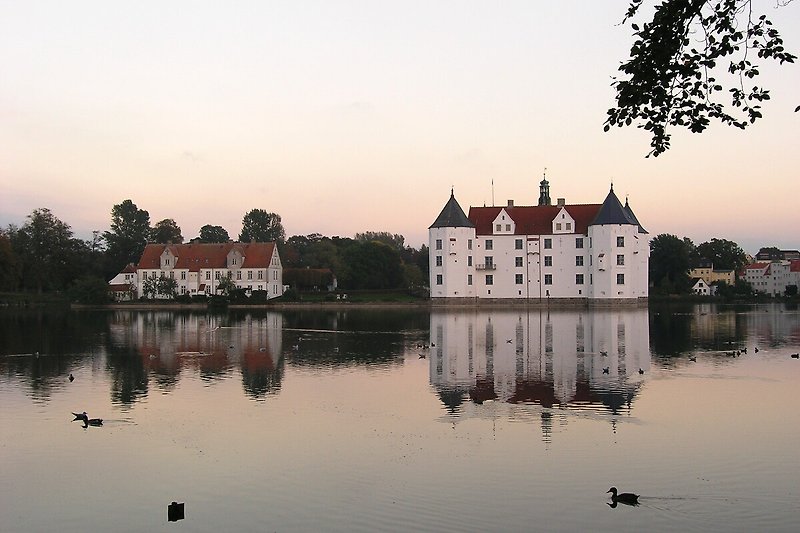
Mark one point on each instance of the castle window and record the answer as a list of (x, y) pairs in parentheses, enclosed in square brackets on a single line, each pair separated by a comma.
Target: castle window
[(438, 260), (578, 279), (548, 260), (438, 279), (508, 227), (469, 244), (548, 279), (518, 279), (469, 279), (489, 244), (489, 279), (579, 242), (620, 279), (517, 261), (578, 260), (548, 243), (569, 226), (518, 244), (620, 260), (438, 244), (498, 227), (558, 225), (183, 275), (621, 241), (469, 260)]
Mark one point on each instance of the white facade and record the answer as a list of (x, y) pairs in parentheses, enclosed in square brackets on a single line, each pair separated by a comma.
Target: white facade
[(773, 278), (199, 268), (593, 252)]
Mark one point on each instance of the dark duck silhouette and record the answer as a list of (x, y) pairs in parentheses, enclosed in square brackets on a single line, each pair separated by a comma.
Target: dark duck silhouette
[(71, 378), (86, 420), (796, 356), (627, 498)]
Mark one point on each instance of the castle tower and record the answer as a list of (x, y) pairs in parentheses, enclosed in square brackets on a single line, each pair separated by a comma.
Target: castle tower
[(451, 241), (544, 191)]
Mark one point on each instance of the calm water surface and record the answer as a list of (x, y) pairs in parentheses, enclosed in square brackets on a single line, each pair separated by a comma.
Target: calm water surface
[(359, 420)]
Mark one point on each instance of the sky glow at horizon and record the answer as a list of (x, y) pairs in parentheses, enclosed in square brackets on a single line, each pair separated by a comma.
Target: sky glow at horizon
[(346, 117)]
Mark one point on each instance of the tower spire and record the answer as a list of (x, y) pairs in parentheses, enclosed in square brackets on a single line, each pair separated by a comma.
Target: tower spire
[(544, 189)]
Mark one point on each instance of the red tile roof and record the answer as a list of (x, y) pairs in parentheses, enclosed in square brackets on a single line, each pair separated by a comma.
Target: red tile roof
[(795, 265), (533, 220), (195, 256)]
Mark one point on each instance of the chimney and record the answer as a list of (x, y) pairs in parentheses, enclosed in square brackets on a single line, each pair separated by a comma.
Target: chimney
[(561, 202), (511, 203)]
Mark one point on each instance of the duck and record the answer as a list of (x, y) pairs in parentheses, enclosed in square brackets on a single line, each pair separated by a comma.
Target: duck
[(92, 422), (628, 498), (641, 371), (80, 416), (755, 349), (693, 358), (71, 378), (605, 370), (603, 354), (796, 356)]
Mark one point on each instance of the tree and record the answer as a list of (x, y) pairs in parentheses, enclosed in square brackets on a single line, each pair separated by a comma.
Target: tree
[(167, 231), (130, 229), (372, 265), (669, 263), (213, 234), (671, 77), (261, 226), (9, 263), (392, 239), (226, 286), (167, 287), (90, 290), (46, 250), (724, 254)]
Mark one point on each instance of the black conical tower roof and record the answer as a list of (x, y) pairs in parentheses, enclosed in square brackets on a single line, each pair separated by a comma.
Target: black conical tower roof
[(612, 212), (452, 216), (633, 218)]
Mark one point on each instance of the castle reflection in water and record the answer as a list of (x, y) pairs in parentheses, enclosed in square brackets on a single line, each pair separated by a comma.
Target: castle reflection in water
[(581, 359)]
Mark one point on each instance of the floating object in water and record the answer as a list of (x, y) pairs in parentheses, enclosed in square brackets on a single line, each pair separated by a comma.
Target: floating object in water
[(628, 498), (422, 356), (92, 422), (508, 341), (175, 512), (603, 354), (605, 370), (796, 356), (71, 378), (641, 371), (755, 349), (693, 358), (80, 416)]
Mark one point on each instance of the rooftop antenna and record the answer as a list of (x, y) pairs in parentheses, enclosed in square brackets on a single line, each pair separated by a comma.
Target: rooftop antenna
[(492, 192)]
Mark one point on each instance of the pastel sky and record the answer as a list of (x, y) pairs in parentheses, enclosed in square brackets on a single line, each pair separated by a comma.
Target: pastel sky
[(352, 116)]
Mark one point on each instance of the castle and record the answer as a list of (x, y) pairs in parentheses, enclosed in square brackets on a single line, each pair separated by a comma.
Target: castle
[(589, 252)]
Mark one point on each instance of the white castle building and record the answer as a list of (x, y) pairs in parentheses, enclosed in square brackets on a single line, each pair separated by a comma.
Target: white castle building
[(589, 252)]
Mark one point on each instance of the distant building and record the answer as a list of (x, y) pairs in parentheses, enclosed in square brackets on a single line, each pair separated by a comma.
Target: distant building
[(198, 268), (712, 276), (771, 254), (568, 251), (774, 277), (123, 286), (699, 286)]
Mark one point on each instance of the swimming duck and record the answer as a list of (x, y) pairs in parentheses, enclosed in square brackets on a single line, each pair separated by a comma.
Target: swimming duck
[(92, 422), (71, 378), (605, 370), (628, 498), (80, 416), (796, 356)]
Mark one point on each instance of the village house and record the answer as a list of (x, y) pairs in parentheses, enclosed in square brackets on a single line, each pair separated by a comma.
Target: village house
[(772, 278), (567, 251), (198, 268)]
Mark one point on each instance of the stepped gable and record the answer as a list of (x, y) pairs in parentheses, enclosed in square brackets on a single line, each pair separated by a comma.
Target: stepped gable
[(195, 256), (533, 220), (612, 212), (452, 216)]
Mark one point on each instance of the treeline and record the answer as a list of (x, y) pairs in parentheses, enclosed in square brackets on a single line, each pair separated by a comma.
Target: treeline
[(43, 255), (672, 257)]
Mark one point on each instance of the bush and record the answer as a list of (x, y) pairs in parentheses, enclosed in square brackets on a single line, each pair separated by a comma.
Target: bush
[(89, 290)]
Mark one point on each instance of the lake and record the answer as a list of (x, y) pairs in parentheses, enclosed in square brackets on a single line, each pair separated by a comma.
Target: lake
[(401, 420)]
